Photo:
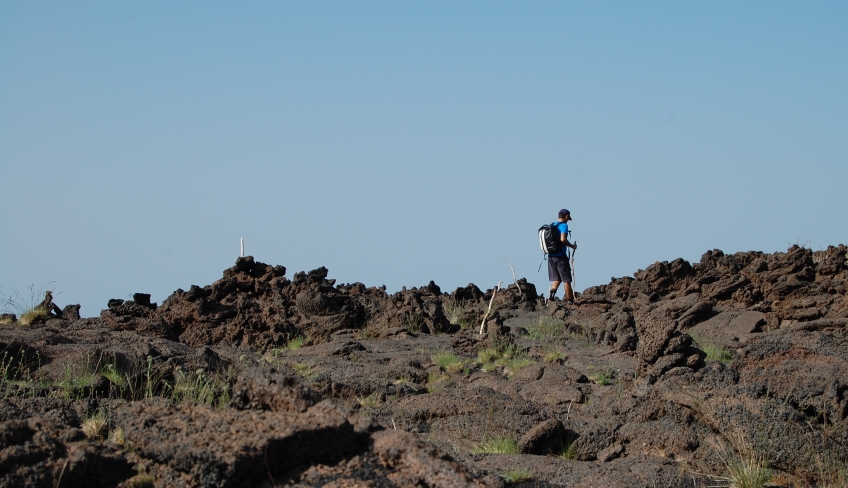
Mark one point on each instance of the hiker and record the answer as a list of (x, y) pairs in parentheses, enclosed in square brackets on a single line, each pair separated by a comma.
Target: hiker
[(559, 270)]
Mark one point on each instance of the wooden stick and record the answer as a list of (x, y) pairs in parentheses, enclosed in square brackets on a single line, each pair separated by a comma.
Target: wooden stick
[(494, 292), (513, 274), (573, 274)]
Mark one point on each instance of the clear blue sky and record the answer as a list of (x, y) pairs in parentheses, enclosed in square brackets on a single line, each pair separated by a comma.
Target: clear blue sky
[(399, 142)]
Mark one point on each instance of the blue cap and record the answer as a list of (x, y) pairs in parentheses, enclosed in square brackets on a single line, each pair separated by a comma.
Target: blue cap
[(563, 213)]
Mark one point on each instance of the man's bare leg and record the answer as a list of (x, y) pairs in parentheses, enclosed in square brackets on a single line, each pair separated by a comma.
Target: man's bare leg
[(569, 292)]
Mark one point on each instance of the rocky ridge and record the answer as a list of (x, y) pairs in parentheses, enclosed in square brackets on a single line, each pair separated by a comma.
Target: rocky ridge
[(665, 378)]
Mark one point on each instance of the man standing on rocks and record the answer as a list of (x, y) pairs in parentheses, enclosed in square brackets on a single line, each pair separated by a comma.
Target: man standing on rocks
[(559, 270)]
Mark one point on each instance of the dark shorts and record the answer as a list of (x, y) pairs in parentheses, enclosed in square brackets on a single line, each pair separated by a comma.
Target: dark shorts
[(559, 269)]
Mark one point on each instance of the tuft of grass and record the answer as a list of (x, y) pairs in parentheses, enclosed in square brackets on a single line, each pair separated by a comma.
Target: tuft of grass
[(94, 425), (111, 373), (303, 369), (600, 378), (448, 361), (434, 382), (554, 356), (717, 353), (141, 480), (404, 380), (489, 355), (295, 343), (516, 475), (747, 467), (509, 356), (569, 450), (413, 323), (200, 387), (33, 315), (546, 329), (26, 308), (497, 445), (455, 313), (117, 436), (75, 377), (514, 365), (369, 401)]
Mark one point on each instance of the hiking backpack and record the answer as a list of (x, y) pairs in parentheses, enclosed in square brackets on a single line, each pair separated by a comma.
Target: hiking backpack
[(549, 238)]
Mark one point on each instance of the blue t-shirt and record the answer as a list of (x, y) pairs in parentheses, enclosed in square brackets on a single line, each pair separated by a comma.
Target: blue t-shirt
[(563, 230)]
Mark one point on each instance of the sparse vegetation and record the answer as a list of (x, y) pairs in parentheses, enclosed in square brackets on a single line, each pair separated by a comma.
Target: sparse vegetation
[(76, 375), (747, 466), (303, 369), (455, 313), (94, 425), (449, 361), (554, 356), (295, 343), (516, 364), (413, 323), (717, 353), (33, 315), (497, 445), (195, 386), (434, 382), (141, 480), (405, 381), (569, 450), (507, 356), (546, 329), (26, 308), (117, 436), (111, 373), (517, 475), (370, 401), (600, 378), (488, 355), (714, 351)]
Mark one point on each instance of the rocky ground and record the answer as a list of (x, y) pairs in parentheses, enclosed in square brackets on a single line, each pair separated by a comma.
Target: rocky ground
[(708, 374)]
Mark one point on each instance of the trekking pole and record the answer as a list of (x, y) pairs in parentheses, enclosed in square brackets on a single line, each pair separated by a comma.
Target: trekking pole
[(573, 275)]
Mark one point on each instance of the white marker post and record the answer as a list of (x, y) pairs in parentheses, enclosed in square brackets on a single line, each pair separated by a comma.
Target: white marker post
[(242, 247)]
